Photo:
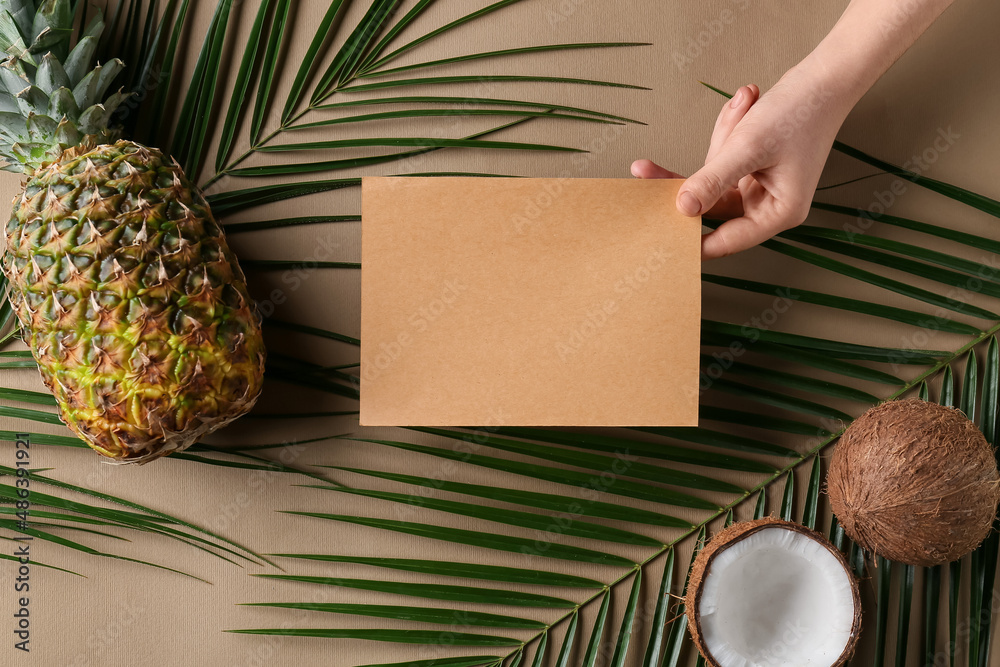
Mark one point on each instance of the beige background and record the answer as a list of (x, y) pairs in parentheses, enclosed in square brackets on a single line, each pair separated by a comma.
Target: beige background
[(125, 614)]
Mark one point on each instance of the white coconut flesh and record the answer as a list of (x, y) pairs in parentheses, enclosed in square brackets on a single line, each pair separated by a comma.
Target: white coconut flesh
[(776, 598)]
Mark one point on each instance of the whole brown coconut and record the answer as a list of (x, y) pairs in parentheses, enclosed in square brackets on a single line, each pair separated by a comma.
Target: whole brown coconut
[(914, 482), (772, 592)]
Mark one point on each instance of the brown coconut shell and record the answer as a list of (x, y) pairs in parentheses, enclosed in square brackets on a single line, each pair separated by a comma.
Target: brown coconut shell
[(915, 482), (702, 567)]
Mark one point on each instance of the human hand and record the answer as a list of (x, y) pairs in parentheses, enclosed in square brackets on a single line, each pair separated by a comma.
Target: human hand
[(763, 164), (767, 153)]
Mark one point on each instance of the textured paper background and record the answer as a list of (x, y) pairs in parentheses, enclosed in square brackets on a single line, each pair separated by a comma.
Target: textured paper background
[(125, 614), (528, 302)]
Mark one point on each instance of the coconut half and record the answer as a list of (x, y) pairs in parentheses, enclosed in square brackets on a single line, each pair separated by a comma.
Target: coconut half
[(772, 593)]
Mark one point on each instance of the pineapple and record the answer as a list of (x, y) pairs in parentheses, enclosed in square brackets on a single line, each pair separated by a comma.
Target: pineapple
[(132, 303)]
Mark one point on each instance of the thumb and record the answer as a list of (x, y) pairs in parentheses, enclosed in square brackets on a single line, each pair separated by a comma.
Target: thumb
[(706, 186)]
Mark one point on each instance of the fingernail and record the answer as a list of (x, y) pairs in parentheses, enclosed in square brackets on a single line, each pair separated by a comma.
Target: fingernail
[(688, 204), (738, 98)]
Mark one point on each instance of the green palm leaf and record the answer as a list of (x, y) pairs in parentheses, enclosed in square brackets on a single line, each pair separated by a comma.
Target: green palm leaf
[(309, 62), (416, 11), (531, 520), (396, 636), (903, 611), (561, 451), (971, 240), (462, 570), (499, 54), (435, 591), (195, 116), (541, 501), (353, 49), (495, 78), (464, 102), (625, 632), (597, 633), (972, 199), (654, 647), (240, 98), (627, 488), (498, 541), (468, 661), (417, 614)]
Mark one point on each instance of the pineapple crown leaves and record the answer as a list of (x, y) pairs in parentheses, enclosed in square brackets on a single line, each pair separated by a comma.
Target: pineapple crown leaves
[(28, 28), (50, 103)]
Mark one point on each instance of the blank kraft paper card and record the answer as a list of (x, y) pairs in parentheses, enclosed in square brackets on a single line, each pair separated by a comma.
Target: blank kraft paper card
[(528, 302)]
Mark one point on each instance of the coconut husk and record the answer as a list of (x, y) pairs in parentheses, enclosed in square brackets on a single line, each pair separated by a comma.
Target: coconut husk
[(915, 482), (702, 566)]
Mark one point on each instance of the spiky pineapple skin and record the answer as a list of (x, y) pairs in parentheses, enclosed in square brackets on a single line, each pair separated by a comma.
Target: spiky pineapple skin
[(131, 301)]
